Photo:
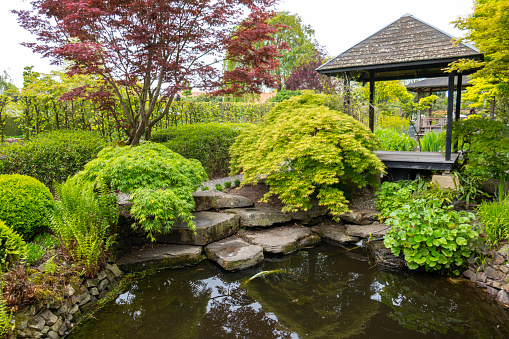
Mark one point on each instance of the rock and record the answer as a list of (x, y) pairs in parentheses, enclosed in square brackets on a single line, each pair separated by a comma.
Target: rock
[(207, 200), (383, 257), (62, 310), (309, 216), (102, 285), (37, 324), (124, 199), (84, 298), (234, 253), (91, 283), (52, 335), (113, 268), (493, 274), (376, 230), (481, 276), (159, 257), (210, 227), (260, 216), (56, 326), (470, 275), (504, 268), (49, 317), (360, 217), (481, 284), (65, 327), (503, 297), (45, 330), (70, 291), (101, 275), (334, 232), (445, 182), (284, 239), (492, 291), (74, 309), (504, 250), (94, 291)]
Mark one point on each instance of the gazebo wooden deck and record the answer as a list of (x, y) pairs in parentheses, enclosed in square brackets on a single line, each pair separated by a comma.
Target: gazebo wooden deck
[(408, 48)]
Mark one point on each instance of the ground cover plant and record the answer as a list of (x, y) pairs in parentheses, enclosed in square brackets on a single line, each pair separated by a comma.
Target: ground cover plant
[(25, 204), (425, 230), (390, 140), (307, 150), (51, 156), (160, 182), (209, 143)]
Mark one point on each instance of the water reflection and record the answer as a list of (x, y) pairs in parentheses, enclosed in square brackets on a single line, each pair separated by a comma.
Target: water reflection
[(325, 292)]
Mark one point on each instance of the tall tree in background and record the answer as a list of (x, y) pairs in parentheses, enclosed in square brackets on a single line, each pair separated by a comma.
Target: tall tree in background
[(145, 51), (7, 93), (487, 27), (305, 76)]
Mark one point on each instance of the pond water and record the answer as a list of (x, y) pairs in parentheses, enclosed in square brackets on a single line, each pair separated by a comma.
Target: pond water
[(323, 292)]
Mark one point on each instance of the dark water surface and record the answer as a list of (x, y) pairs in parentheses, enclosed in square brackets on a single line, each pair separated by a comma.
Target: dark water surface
[(324, 292)]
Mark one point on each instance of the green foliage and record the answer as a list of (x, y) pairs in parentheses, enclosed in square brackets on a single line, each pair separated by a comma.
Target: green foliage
[(432, 142), (485, 146), (469, 188), (219, 187), (494, 218), (39, 246), (12, 246), (82, 223), (204, 188), (284, 94), (390, 140), (5, 318), (306, 150), (388, 120), (209, 143), (51, 156), (25, 204), (12, 127), (427, 233), (227, 184), (237, 182), (160, 181)]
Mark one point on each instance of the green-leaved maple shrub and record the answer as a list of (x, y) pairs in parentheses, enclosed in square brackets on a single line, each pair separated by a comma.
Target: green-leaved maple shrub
[(307, 150), (160, 182)]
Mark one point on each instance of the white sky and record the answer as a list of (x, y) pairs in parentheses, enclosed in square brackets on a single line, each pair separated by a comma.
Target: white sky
[(339, 24)]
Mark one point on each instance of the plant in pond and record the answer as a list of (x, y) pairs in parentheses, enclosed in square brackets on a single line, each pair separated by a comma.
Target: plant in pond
[(494, 218), (305, 149), (390, 140), (432, 142), (160, 181), (82, 222), (430, 235)]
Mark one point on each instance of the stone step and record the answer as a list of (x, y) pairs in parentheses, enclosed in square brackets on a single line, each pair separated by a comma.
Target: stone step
[(210, 227), (335, 233), (283, 239), (260, 216), (161, 256), (207, 200), (376, 230), (360, 217), (234, 253), (311, 215)]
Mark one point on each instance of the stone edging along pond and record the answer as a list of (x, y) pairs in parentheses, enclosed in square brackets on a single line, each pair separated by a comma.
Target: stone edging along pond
[(236, 235)]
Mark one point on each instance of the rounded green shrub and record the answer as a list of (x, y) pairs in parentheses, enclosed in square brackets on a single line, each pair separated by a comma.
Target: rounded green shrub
[(51, 156), (25, 204), (161, 182), (12, 246), (307, 150)]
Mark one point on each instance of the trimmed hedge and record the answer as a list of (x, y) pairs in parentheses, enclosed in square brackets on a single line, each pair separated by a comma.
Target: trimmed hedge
[(51, 156), (209, 143), (25, 204)]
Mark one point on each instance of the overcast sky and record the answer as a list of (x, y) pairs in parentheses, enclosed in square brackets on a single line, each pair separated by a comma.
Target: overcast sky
[(339, 24)]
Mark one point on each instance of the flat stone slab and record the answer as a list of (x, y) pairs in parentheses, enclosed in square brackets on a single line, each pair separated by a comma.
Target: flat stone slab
[(363, 231), (307, 217), (160, 257), (210, 227), (360, 217), (334, 233), (260, 216), (207, 200), (234, 253), (283, 239)]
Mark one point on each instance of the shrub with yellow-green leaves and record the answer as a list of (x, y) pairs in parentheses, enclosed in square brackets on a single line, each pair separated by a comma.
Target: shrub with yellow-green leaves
[(307, 150)]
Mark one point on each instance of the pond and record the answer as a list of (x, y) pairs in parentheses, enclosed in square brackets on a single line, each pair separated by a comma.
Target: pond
[(323, 292)]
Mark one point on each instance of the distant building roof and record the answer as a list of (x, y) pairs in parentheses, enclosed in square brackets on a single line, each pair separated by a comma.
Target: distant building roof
[(436, 84), (407, 48)]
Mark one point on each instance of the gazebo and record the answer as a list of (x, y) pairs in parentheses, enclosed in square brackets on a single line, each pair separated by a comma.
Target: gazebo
[(408, 48)]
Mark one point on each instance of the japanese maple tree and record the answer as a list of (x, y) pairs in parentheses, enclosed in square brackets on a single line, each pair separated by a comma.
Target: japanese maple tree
[(145, 51)]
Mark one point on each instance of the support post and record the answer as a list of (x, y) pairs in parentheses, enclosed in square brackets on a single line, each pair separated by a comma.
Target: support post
[(459, 84), (450, 106), (372, 100)]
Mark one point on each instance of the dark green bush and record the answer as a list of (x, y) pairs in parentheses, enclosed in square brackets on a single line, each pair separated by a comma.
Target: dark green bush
[(12, 246), (51, 156), (208, 143), (25, 204)]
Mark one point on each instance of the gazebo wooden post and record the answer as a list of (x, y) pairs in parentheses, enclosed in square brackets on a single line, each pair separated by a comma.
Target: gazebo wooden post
[(450, 107), (458, 97), (372, 100)]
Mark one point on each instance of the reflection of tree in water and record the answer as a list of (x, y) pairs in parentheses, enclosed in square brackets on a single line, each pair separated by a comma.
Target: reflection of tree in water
[(425, 305), (316, 296)]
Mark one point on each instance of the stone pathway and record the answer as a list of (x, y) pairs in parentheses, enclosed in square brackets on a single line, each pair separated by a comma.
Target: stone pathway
[(211, 184)]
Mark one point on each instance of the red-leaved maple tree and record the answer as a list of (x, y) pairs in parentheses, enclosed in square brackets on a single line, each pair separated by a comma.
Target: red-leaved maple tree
[(145, 51)]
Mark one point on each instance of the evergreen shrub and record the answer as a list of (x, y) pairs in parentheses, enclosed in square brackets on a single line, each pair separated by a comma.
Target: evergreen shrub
[(25, 204), (307, 150), (51, 156), (12, 246), (209, 143)]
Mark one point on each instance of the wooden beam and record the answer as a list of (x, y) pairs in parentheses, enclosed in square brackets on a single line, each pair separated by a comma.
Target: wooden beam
[(372, 100), (459, 85), (450, 107)]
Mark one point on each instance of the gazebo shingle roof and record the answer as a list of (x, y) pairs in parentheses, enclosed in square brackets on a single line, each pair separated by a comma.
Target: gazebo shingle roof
[(401, 45), (436, 84)]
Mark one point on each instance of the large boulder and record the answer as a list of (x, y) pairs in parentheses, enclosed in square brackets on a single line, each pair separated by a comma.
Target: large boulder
[(260, 216), (360, 217), (283, 239), (383, 257), (210, 227), (207, 200), (234, 253)]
